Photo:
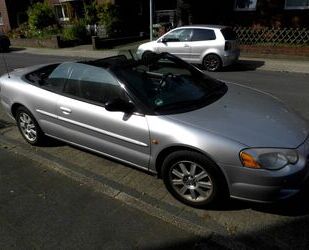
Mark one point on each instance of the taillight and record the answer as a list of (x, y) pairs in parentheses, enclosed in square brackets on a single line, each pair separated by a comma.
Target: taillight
[(228, 45)]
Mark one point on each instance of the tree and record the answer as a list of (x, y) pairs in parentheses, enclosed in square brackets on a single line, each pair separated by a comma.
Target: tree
[(40, 16), (91, 15), (184, 12), (107, 14)]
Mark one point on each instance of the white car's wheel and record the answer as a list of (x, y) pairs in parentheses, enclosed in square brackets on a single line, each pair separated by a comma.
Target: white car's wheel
[(212, 62)]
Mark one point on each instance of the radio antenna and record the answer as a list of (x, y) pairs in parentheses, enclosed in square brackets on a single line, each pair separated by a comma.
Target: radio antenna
[(6, 66)]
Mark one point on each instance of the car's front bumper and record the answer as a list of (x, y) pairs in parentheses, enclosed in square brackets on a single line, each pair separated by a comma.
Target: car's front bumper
[(269, 186)]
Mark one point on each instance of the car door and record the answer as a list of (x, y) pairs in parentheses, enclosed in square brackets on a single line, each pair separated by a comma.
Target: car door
[(203, 40), (85, 121), (177, 42), (44, 98)]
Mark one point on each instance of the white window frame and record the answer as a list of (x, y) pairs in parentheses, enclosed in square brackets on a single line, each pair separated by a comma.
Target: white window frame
[(1, 19), (306, 7), (245, 9), (64, 18)]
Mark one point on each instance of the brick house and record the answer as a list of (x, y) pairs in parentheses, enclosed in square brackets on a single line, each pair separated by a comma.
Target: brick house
[(279, 13), (272, 13), (134, 12), (13, 13)]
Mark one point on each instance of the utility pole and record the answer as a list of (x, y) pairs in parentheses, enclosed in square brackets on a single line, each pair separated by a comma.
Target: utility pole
[(151, 19)]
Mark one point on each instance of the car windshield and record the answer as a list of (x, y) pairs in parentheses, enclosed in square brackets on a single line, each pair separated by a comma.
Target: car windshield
[(166, 84)]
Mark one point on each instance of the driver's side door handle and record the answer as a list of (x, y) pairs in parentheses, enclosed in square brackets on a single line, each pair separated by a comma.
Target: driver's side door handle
[(66, 111)]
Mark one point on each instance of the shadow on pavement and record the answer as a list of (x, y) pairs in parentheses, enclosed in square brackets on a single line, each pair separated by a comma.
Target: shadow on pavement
[(291, 234), (14, 49), (5, 124), (244, 65), (51, 143), (295, 206), (194, 244)]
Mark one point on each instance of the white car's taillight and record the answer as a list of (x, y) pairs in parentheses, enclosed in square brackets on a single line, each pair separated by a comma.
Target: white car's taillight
[(228, 45)]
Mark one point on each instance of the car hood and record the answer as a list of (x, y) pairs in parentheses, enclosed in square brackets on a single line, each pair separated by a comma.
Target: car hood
[(250, 117)]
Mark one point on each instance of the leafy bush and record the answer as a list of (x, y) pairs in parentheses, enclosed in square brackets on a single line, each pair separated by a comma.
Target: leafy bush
[(24, 31), (40, 16), (75, 31), (91, 15), (107, 14)]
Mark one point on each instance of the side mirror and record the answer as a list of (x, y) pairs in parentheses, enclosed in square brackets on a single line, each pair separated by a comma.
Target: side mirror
[(164, 40), (119, 105)]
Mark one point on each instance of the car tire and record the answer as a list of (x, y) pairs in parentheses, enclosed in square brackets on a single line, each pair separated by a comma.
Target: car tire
[(212, 62), (193, 179), (28, 127), (146, 54)]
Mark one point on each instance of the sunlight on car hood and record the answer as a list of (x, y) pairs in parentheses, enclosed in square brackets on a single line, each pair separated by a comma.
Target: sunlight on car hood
[(250, 117)]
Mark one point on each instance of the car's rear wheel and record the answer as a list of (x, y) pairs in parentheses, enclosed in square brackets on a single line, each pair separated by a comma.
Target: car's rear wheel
[(28, 127), (193, 178), (212, 62)]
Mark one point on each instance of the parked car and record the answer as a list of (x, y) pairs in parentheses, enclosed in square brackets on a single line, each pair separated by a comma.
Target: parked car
[(212, 46), (5, 42), (206, 138)]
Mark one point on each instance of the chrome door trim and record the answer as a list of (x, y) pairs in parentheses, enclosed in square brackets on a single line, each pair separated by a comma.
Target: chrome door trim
[(104, 154), (104, 132), (46, 113)]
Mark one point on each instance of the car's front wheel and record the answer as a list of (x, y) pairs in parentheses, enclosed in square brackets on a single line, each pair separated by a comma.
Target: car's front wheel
[(193, 178), (212, 62), (28, 127)]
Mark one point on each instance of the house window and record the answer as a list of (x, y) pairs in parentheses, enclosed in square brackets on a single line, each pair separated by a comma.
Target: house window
[(297, 4), (62, 12), (245, 5), (1, 19)]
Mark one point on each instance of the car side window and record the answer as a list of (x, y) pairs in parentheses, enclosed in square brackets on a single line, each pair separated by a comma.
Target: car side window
[(203, 35), (181, 35), (92, 83), (57, 78)]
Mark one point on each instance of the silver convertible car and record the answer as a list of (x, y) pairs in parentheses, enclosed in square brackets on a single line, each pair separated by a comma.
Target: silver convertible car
[(206, 138)]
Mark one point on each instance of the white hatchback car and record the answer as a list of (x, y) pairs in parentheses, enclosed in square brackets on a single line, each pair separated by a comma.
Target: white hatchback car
[(213, 46)]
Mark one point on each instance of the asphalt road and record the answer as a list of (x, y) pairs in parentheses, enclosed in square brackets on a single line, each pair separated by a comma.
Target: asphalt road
[(283, 226)]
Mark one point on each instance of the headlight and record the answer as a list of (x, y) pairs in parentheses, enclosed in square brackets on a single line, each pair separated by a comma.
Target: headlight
[(268, 158)]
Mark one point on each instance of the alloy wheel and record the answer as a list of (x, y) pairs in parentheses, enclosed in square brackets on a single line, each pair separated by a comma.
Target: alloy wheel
[(191, 181), (27, 127), (212, 62)]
